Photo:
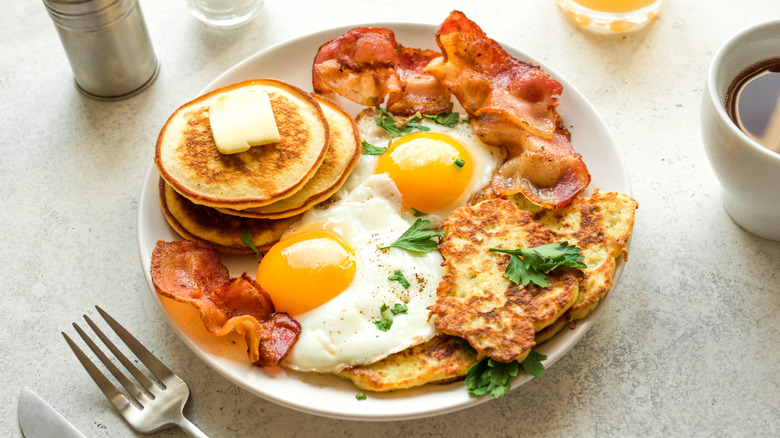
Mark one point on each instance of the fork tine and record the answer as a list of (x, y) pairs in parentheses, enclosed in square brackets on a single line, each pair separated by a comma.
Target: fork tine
[(129, 386), (116, 398), (158, 369), (142, 379)]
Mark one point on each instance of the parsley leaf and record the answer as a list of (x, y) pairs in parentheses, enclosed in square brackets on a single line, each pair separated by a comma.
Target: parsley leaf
[(386, 121), (533, 363), (448, 118), (417, 238), (369, 149), (399, 277), (459, 163), (360, 396), (246, 239), (531, 265), (492, 377), (385, 322), (418, 213), (412, 124)]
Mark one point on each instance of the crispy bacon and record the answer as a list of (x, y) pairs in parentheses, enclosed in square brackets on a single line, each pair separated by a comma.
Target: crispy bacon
[(511, 104), (550, 172), (366, 65), (190, 273), (486, 79)]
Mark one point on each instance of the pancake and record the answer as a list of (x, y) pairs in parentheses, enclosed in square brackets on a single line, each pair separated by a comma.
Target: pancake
[(476, 302), (342, 156), (216, 230), (439, 360), (189, 161)]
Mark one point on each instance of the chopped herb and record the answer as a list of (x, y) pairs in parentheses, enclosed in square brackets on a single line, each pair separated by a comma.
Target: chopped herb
[(492, 377), (417, 238), (459, 163), (399, 277), (448, 118), (399, 308), (412, 124), (385, 322), (418, 213), (531, 265), (369, 149), (246, 239), (360, 396), (386, 121)]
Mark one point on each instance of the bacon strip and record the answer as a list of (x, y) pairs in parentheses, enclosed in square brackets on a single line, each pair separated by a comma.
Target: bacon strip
[(366, 65), (511, 104), (486, 79), (190, 273), (550, 173)]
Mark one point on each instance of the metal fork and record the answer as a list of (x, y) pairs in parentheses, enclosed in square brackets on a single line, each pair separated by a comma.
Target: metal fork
[(159, 404)]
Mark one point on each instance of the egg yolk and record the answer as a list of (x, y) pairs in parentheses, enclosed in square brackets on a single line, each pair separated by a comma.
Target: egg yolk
[(306, 270), (431, 170)]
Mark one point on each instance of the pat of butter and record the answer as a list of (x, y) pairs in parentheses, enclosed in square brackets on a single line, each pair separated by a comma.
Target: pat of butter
[(241, 120)]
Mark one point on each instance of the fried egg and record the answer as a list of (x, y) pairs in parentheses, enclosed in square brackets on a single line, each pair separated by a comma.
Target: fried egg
[(331, 273), (436, 171), (331, 270)]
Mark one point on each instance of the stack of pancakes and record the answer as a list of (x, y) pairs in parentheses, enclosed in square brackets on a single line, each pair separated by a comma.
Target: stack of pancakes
[(215, 199)]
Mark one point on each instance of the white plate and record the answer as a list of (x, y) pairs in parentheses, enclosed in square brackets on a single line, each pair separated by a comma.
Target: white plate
[(327, 395)]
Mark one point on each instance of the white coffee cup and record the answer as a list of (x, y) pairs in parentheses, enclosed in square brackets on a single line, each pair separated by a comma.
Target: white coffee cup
[(749, 173)]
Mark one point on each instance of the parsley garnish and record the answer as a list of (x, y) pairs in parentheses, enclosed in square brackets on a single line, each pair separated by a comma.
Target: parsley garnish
[(492, 377), (412, 124), (386, 121), (531, 265), (360, 396), (385, 322), (399, 277), (459, 163), (532, 364), (418, 213), (448, 118), (369, 149), (246, 239), (417, 238)]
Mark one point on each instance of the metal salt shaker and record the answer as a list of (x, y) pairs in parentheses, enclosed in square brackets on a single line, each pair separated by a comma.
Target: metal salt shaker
[(107, 44)]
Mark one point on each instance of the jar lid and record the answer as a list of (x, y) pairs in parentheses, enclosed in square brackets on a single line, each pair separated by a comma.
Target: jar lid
[(87, 14)]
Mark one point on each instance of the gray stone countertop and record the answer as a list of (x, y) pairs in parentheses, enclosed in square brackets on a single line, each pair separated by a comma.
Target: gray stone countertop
[(688, 344)]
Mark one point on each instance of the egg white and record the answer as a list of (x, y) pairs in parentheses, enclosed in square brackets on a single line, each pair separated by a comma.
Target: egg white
[(341, 332)]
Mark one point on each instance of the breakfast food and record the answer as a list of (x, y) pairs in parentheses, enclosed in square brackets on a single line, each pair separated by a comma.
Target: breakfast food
[(331, 269), (420, 163), (439, 360), (396, 266), (341, 157), (187, 272), (222, 232), (367, 64), (501, 319), (188, 159)]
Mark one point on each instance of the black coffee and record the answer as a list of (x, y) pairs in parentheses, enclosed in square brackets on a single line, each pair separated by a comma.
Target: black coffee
[(753, 103)]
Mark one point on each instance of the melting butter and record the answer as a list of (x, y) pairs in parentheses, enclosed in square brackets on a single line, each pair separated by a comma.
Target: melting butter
[(241, 120)]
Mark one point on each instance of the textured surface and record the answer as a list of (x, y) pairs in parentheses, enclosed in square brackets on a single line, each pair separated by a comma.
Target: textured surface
[(686, 347)]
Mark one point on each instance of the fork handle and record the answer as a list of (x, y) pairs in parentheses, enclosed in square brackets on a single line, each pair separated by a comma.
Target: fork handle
[(190, 429)]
